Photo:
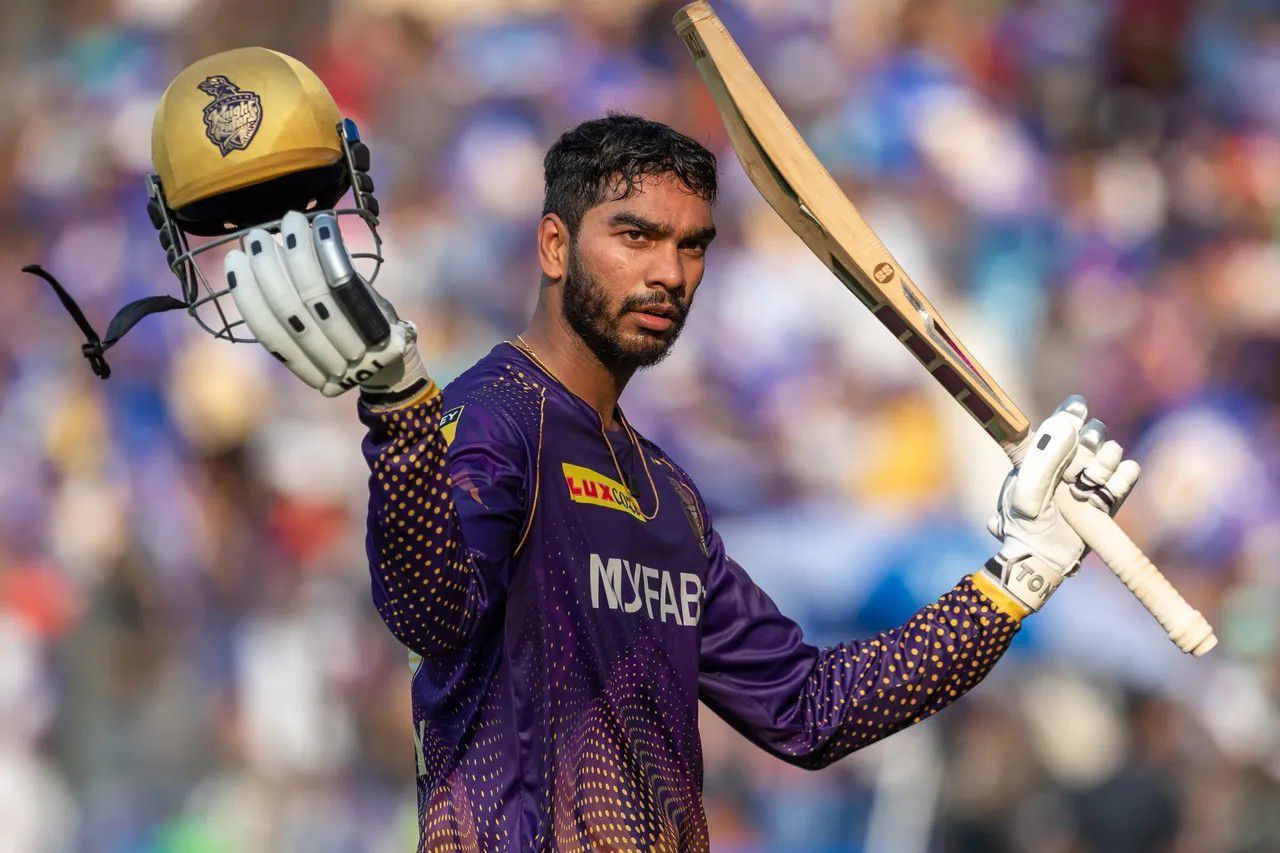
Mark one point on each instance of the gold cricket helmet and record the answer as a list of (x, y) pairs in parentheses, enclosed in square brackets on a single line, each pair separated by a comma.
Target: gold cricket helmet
[(239, 139), (243, 119)]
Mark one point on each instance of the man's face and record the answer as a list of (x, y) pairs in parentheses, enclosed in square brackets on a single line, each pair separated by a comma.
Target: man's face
[(633, 267)]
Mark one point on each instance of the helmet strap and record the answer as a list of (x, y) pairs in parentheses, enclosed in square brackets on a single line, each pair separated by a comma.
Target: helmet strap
[(95, 347)]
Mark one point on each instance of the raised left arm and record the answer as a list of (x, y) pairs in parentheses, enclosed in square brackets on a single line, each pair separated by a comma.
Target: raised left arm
[(812, 706)]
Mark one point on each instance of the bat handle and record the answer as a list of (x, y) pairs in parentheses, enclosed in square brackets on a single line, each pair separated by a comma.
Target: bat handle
[(1188, 629)]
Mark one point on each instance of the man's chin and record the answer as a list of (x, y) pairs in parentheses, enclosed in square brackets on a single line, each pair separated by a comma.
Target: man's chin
[(647, 348), (628, 345)]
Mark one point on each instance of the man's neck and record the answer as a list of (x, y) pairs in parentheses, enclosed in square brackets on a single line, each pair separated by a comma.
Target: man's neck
[(575, 365)]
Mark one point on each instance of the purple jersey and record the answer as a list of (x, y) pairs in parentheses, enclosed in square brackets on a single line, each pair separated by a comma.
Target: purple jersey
[(564, 621)]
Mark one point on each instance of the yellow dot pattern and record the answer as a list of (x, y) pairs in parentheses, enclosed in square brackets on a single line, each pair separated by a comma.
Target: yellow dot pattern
[(421, 571), (628, 762), (860, 692)]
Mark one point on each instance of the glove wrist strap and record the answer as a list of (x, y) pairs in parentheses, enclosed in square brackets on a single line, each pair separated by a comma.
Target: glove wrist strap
[(988, 583), (411, 384), (1026, 577)]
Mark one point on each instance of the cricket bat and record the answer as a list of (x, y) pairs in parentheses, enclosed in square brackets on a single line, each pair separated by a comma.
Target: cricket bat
[(808, 199)]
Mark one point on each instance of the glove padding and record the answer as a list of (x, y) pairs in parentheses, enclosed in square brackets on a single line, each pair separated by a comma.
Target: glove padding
[(1039, 548), (288, 300)]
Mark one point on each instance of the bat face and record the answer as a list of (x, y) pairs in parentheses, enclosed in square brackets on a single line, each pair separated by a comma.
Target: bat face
[(799, 188)]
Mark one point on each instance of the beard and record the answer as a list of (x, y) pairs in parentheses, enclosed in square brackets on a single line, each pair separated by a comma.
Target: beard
[(586, 309)]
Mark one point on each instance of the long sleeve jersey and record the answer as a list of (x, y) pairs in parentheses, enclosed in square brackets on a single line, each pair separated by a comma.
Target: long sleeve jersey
[(568, 602)]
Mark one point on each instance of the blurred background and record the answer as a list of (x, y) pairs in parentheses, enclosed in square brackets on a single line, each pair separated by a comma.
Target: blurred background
[(1090, 192)]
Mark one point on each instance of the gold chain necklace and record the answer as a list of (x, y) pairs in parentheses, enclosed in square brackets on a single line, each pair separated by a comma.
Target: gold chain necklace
[(521, 344)]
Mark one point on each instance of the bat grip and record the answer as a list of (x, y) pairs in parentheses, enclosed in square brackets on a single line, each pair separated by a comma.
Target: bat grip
[(1188, 629)]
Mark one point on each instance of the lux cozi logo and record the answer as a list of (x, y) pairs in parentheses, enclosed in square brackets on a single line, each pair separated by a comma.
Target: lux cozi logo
[(591, 487)]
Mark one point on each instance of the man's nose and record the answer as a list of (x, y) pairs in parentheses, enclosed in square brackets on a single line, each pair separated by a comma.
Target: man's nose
[(666, 269)]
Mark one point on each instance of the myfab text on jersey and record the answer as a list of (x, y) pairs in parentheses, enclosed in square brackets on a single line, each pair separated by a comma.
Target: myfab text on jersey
[(562, 630)]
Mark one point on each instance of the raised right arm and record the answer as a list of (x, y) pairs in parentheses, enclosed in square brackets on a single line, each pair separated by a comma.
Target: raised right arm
[(442, 520), (443, 516)]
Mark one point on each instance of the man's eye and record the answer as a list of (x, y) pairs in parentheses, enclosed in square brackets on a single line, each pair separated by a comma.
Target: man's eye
[(634, 235)]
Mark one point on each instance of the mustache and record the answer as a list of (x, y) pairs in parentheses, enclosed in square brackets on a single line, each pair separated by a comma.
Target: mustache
[(679, 307)]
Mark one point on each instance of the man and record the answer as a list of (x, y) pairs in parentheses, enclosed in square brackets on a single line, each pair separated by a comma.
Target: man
[(559, 580)]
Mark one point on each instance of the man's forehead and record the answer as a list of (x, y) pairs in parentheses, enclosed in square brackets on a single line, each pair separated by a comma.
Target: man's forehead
[(663, 198)]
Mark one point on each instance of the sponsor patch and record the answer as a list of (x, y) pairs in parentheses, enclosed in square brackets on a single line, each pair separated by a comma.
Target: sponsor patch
[(232, 120), (625, 585), (449, 424), (591, 487)]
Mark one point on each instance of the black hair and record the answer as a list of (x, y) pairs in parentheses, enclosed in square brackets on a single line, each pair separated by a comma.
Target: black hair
[(603, 159)]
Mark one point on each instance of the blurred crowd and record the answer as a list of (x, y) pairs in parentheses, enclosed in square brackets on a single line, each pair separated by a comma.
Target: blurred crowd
[(1088, 190)]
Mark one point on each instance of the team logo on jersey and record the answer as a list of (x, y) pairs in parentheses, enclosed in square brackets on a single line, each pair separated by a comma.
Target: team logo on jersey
[(232, 120), (592, 487), (691, 512), (449, 424)]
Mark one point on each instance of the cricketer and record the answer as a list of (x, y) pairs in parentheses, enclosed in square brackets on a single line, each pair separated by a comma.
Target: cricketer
[(558, 578)]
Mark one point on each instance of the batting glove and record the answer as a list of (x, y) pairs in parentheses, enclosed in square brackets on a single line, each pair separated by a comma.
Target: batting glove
[(306, 304), (1039, 548)]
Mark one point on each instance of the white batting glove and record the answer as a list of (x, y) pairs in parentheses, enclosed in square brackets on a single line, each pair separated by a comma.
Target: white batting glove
[(306, 304), (1039, 548)]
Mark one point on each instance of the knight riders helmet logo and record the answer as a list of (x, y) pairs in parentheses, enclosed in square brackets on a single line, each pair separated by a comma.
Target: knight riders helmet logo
[(691, 512), (232, 120)]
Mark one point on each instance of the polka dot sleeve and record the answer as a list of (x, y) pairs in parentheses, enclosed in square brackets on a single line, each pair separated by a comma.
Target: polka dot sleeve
[(813, 706), (863, 691), (441, 520)]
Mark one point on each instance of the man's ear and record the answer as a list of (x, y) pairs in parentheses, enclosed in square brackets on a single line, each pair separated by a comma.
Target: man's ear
[(553, 247)]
